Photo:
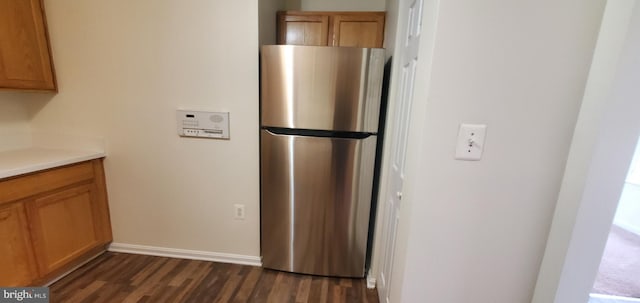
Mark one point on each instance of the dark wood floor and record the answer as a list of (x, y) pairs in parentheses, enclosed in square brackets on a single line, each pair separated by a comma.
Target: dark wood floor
[(117, 277)]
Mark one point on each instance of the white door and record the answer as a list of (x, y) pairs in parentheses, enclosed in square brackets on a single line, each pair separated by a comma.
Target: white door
[(407, 54)]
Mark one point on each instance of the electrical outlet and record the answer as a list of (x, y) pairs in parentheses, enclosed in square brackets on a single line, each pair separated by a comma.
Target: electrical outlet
[(238, 210)]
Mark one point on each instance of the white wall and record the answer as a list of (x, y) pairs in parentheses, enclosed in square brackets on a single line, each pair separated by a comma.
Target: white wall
[(628, 211), (123, 69), (294, 5), (14, 121), (267, 19), (342, 5), (476, 231), (391, 26), (601, 151), (633, 176)]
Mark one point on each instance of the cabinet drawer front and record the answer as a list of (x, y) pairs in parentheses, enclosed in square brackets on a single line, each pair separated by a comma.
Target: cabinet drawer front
[(33, 184)]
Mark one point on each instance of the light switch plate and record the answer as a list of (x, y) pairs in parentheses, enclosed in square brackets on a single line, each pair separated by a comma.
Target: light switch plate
[(470, 142)]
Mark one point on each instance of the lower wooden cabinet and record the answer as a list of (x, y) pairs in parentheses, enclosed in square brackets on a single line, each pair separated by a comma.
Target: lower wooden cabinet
[(61, 220), (16, 253), (63, 226)]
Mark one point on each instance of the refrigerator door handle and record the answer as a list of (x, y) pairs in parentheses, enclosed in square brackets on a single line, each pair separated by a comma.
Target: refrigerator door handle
[(317, 133)]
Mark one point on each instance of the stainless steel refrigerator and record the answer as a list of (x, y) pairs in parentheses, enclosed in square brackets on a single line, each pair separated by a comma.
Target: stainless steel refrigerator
[(319, 120)]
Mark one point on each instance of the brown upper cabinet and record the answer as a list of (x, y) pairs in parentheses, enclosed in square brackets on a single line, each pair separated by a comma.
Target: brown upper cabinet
[(25, 58), (356, 29)]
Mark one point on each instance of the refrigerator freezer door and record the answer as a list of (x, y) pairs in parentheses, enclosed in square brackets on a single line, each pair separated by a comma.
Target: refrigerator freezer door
[(324, 88), (316, 196)]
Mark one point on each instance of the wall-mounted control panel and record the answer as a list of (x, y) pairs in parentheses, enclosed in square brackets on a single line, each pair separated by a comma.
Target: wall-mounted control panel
[(201, 124)]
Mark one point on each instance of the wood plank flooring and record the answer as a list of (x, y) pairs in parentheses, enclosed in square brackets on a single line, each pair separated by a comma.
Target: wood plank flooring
[(118, 277)]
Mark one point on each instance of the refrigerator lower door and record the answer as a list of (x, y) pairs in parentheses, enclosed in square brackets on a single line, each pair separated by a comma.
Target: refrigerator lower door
[(316, 197)]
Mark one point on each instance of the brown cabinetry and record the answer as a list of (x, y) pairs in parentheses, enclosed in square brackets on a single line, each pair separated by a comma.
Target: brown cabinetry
[(25, 59), (357, 29), (55, 219), (16, 252)]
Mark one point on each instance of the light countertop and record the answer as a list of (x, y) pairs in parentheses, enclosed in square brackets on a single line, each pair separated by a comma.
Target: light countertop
[(28, 160)]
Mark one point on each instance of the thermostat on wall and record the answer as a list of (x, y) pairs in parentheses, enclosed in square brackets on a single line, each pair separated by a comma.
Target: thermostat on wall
[(203, 124)]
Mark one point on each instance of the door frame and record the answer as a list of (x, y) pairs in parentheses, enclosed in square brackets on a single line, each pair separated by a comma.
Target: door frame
[(602, 147)]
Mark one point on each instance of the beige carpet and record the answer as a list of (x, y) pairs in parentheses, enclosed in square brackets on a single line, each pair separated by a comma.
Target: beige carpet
[(619, 272), (595, 298)]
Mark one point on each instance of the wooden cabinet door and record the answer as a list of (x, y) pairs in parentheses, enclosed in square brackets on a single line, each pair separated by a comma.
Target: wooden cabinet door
[(351, 29), (64, 226), (302, 29), (16, 254), (25, 61), (357, 29)]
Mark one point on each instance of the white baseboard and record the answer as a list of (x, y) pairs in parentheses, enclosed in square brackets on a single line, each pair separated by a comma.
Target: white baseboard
[(632, 228), (185, 254), (371, 282)]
